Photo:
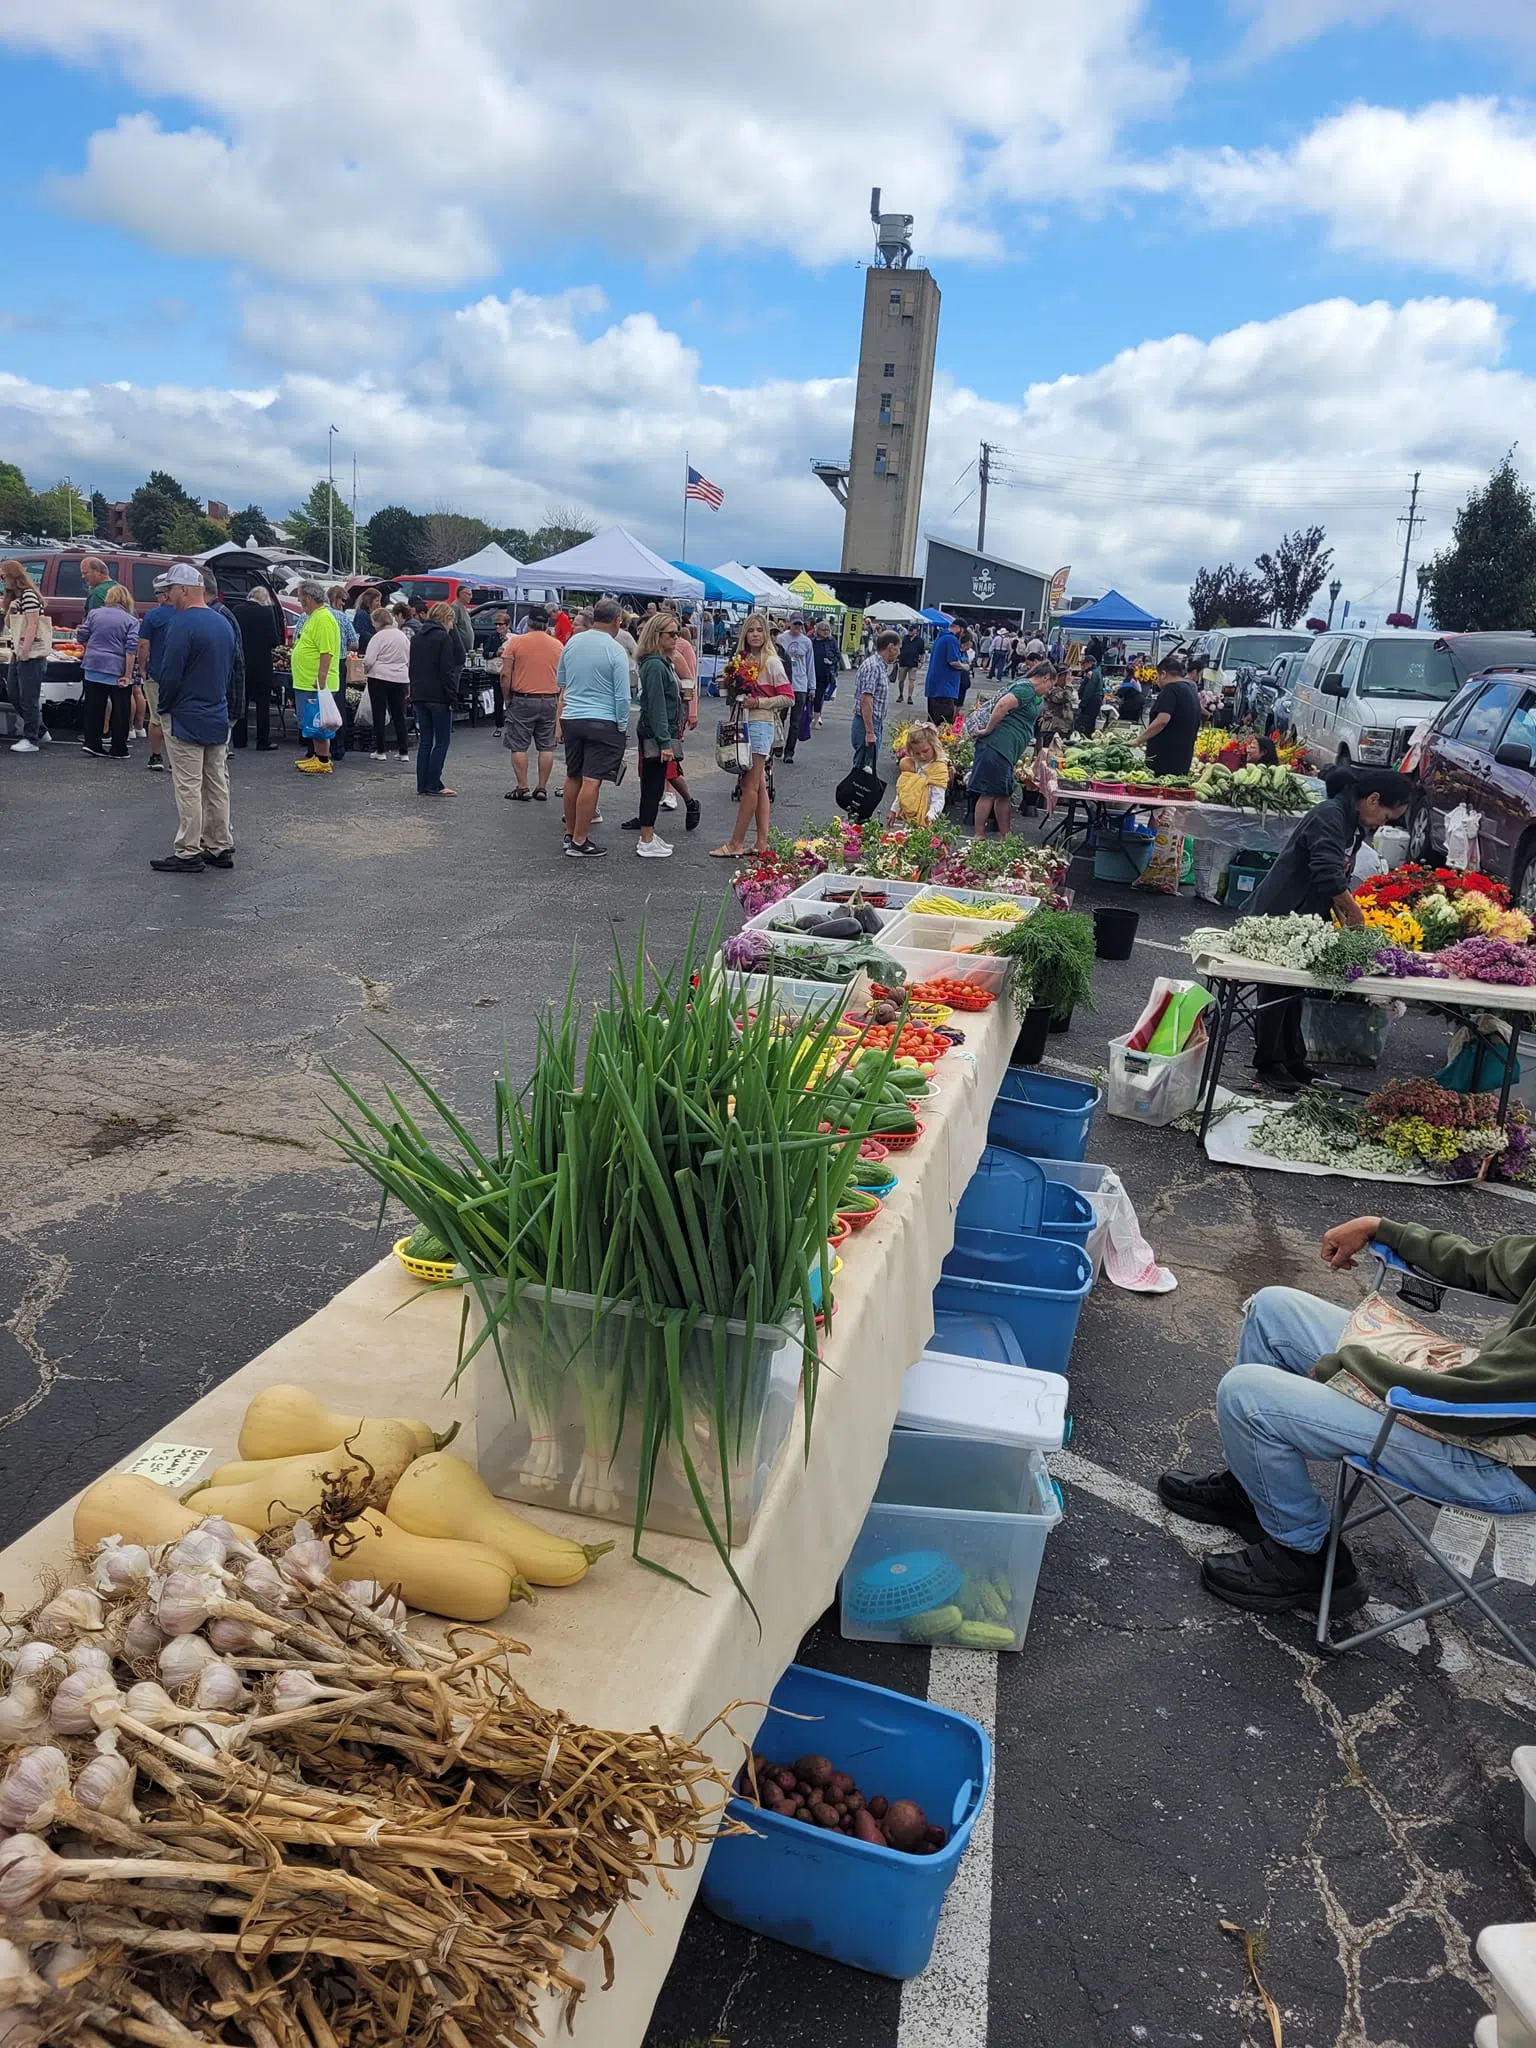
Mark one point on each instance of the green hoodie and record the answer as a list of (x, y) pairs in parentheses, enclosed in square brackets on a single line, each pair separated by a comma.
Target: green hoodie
[(1504, 1369)]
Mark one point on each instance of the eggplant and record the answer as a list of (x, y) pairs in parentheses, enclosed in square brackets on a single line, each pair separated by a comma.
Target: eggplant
[(869, 920), (835, 928)]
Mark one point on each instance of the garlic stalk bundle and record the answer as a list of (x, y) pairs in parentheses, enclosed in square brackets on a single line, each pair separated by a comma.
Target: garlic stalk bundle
[(182, 1659), (23, 1717), (85, 1702), (236, 1638), (186, 1600), (38, 1664), (28, 1872), (219, 1688), (19, 1982), (60, 1961), (106, 1785), (32, 1788), (121, 1567), (203, 1550), (143, 1639), (370, 1594), (89, 1657), (19, 2030), (76, 1608)]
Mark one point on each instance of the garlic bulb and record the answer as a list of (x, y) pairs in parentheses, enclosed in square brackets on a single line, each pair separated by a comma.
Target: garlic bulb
[(121, 1567), (86, 1701), (152, 1705), (28, 1872), (106, 1785), (19, 1982), (292, 1689), (19, 2030), (235, 1638), (306, 1562), (76, 1608), (12, 1636), (186, 1600), (182, 1659), (218, 1688), (370, 1594), (143, 1639), (60, 1961), (199, 1740), (202, 1550), (215, 1525), (23, 1717), (31, 1789), (262, 1584), (89, 1657), (36, 1663)]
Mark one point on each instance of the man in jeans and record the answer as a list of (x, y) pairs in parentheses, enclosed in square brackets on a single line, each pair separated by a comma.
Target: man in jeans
[(196, 663), (1283, 1403), (594, 719), (798, 656)]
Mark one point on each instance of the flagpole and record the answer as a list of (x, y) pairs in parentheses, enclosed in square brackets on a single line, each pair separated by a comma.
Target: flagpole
[(685, 505)]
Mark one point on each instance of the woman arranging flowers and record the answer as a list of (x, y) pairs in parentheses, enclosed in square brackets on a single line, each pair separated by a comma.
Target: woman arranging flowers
[(923, 778), (1312, 877), (760, 693)]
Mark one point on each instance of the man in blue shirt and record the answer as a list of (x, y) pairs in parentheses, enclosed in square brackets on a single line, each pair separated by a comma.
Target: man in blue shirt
[(197, 659), (152, 629), (593, 678), (947, 673)]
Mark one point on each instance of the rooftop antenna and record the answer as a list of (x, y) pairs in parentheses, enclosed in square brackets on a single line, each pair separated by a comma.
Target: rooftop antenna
[(893, 235)]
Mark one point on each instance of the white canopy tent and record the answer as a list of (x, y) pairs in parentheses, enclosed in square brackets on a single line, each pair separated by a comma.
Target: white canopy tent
[(891, 612), (492, 566), (612, 560), (761, 585)]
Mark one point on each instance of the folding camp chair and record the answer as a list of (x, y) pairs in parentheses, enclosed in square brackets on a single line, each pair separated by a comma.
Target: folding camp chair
[(1372, 1474)]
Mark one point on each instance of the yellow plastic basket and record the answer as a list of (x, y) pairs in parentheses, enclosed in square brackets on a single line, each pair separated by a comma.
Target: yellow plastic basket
[(436, 1270)]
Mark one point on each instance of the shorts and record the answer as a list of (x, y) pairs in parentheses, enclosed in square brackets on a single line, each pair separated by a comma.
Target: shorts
[(307, 704), (531, 721), (594, 749), (151, 691), (760, 735), (991, 773)]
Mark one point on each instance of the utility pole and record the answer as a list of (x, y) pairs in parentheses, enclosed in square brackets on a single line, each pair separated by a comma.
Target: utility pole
[(1413, 522), (354, 512), (330, 501), (984, 471)]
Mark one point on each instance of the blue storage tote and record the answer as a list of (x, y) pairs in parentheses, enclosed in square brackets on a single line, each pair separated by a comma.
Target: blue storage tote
[(1009, 1192), (969, 1518), (961, 1333), (871, 1908), (1035, 1284), (1044, 1116)]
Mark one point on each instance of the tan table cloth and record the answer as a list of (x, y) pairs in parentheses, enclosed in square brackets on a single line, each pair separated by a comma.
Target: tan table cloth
[(627, 1649)]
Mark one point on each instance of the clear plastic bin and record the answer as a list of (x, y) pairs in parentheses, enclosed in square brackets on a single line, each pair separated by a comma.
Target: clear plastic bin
[(531, 1419), (928, 933), (1153, 1088), (793, 998), (1345, 1032), (893, 923), (958, 895), (986, 1508), (987, 970), (820, 887)]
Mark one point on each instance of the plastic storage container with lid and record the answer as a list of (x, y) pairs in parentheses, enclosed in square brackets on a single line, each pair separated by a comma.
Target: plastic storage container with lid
[(1009, 1192), (1044, 1116), (871, 1908), (1036, 1284)]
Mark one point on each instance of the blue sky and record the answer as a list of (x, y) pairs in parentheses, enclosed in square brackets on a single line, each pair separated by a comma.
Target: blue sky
[(521, 282)]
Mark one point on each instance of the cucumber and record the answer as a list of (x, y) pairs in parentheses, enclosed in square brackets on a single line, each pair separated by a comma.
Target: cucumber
[(982, 1635), (421, 1244), (933, 1626)]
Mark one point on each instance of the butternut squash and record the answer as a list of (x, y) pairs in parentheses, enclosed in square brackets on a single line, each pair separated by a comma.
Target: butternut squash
[(284, 1489), (443, 1497), (463, 1581), (387, 1446), (284, 1421), (136, 1509)]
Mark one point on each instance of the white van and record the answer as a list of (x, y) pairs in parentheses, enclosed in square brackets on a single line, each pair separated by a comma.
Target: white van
[(1226, 649), (1360, 695)]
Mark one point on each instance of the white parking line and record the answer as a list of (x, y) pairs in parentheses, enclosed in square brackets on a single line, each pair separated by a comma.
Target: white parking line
[(947, 2006), (1163, 946)]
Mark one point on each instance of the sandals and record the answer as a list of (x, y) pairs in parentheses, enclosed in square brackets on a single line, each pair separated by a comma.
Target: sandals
[(727, 853), (541, 796), (519, 796)]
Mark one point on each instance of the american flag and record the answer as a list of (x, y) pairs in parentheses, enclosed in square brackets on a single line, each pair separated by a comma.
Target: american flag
[(707, 493)]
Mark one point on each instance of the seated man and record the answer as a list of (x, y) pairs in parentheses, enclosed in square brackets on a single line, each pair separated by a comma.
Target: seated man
[(1275, 1410)]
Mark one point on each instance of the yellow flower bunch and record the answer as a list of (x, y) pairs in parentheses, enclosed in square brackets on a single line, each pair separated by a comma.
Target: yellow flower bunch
[(1209, 741), (1145, 673), (1513, 925), (1400, 926), (1414, 1138)]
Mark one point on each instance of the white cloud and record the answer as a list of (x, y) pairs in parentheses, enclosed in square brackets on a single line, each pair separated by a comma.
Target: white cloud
[(1282, 24), (1452, 185), (393, 143), (1174, 453), (340, 331)]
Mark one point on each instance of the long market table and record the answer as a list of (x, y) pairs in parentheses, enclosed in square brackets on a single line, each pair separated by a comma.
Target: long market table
[(628, 1649), (1214, 824), (1230, 978)]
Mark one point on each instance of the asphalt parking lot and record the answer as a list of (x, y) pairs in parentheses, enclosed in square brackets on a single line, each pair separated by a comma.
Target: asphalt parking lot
[(170, 1204)]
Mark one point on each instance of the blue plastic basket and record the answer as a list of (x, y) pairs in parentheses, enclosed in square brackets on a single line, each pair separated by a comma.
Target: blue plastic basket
[(897, 1587), (1009, 1192), (1035, 1284), (1044, 1116), (873, 1909), (961, 1333)]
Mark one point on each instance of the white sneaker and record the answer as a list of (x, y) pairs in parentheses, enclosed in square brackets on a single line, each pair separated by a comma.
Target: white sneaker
[(669, 801), (24, 747), (654, 849), (46, 737), (381, 757), (597, 817)]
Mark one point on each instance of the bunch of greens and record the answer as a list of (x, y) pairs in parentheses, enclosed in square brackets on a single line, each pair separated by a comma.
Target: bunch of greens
[(1052, 952)]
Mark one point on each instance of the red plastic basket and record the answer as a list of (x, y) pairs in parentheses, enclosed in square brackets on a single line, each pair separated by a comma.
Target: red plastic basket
[(860, 1219), (842, 1229), (899, 1141)]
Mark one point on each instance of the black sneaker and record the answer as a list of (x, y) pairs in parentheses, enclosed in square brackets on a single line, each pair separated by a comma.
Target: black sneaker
[(1268, 1578), (585, 849), (155, 764), (1278, 1080), (226, 859), (1301, 1073), (630, 825), (1218, 1500), (175, 864), (693, 810)]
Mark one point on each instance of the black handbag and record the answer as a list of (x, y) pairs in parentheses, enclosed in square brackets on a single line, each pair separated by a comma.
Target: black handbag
[(861, 792)]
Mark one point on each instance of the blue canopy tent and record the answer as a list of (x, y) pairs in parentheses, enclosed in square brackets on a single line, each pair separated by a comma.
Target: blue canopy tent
[(1112, 614), (718, 589), (935, 617)]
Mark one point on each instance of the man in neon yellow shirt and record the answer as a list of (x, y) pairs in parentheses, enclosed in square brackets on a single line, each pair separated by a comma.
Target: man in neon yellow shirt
[(314, 664)]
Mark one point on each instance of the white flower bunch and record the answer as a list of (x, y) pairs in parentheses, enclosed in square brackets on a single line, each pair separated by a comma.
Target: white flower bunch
[(1290, 941)]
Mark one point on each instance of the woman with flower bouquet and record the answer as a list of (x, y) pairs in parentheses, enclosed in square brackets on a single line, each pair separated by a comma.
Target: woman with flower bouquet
[(761, 694)]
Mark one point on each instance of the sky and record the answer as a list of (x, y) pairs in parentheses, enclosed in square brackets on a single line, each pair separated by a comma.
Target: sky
[(1211, 269)]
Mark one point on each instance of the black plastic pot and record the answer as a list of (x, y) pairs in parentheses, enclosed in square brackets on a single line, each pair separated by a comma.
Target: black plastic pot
[(1029, 1046), (1114, 932), (1061, 1020)]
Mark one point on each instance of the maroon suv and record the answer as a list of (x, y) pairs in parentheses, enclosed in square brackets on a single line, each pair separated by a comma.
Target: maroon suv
[(1481, 751)]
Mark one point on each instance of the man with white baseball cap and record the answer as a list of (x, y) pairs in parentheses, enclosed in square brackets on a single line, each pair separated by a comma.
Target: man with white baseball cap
[(196, 663)]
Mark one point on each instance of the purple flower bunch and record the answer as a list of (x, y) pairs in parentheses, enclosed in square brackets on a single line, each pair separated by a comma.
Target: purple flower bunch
[(1491, 960), (1397, 963)]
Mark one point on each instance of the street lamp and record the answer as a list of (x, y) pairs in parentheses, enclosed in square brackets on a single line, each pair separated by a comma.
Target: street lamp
[(69, 502), (1425, 577), (330, 501), (1333, 597)]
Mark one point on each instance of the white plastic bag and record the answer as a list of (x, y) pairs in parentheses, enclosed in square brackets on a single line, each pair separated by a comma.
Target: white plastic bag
[(1461, 830), (328, 711), (1155, 1088), (1129, 1260)]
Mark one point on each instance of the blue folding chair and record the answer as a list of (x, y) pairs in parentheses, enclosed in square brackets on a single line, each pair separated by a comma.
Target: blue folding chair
[(1372, 1474)]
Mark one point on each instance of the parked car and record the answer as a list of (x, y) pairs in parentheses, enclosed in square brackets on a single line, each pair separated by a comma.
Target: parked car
[(1226, 649), (1361, 696), (1481, 751)]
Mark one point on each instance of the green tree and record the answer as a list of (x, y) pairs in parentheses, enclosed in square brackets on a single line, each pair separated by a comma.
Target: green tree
[(517, 541), (323, 522), (1227, 596), (565, 526), (99, 510), (251, 523), (154, 505), (64, 512), (1295, 573), (396, 541), (21, 512), (187, 532), (450, 536), (1486, 579)]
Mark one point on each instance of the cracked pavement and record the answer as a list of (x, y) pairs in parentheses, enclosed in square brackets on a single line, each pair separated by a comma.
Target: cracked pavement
[(169, 1204)]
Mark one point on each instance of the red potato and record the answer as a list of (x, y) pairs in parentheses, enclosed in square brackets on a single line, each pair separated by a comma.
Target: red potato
[(815, 1770), (786, 1780), (879, 1806), (841, 1785), (936, 1837), (826, 1816), (867, 1830), (906, 1825), (854, 1803)]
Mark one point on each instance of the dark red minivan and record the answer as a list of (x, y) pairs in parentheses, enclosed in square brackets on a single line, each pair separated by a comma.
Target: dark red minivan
[(1481, 751)]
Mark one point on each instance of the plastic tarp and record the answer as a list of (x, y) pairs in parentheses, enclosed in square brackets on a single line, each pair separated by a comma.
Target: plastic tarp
[(718, 589), (1112, 614), (492, 566), (613, 560), (1220, 825)]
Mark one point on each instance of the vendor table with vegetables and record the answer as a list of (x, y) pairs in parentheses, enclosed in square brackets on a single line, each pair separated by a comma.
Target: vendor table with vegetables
[(670, 1643)]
